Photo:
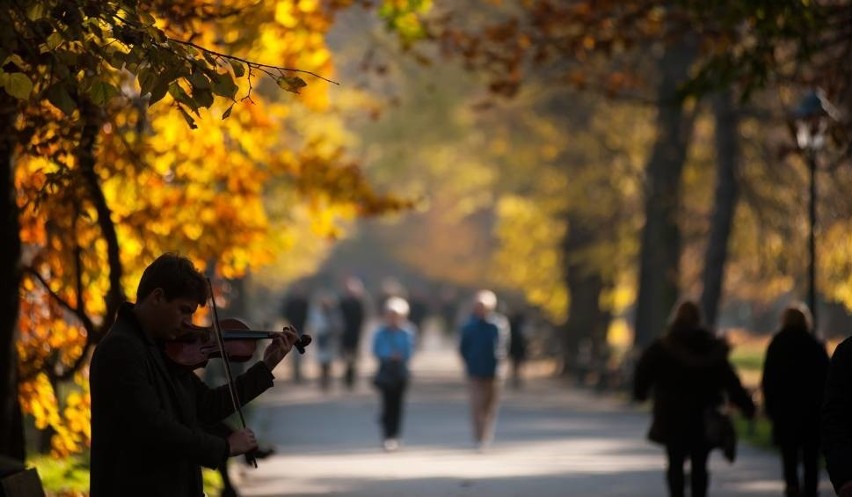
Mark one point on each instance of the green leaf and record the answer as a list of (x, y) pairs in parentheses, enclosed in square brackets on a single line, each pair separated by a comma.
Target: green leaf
[(203, 98), (147, 79), (159, 85), (239, 68), (37, 10), (159, 90), (209, 58), (17, 60), (146, 18), (198, 80), (291, 83), (54, 40), (180, 95), (17, 84), (58, 95), (227, 112), (101, 92), (224, 86), (189, 120)]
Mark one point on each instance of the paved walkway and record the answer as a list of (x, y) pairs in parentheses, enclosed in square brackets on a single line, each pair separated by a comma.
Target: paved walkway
[(550, 441)]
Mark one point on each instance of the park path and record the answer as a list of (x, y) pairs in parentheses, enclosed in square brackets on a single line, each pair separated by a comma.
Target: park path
[(551, 440)]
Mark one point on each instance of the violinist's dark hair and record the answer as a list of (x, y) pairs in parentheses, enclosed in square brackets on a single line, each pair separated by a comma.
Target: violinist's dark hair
[(177, 276)]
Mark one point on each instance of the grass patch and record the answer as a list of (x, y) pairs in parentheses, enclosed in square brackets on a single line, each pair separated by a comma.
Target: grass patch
[(212, 482), (757, 432), (66, 477), (69, 477)]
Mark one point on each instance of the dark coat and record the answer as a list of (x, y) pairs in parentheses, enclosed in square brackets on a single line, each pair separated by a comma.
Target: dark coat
[(688, 372), (836, 421), (794, 373), (353, 312), (147, 417)]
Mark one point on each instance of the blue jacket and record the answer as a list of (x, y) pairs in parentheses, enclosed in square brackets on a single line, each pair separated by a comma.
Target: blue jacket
[(389, 341), (483, 345)]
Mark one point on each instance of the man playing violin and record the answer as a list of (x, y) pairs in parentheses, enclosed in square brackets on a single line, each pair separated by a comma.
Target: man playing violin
[(150, 416)]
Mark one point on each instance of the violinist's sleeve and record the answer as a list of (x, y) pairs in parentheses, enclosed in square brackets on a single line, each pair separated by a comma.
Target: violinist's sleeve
[(215, 404), (133, 399)]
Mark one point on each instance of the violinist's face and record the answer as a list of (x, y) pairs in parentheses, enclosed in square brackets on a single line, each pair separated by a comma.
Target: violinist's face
[(170, 317)]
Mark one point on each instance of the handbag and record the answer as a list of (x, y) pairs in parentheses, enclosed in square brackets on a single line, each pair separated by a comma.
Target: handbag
[(391, 374), (720, 433)]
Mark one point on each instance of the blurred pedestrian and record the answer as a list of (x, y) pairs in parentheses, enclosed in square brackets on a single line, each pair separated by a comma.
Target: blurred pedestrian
[(294, 310), (793, 383), (419, 304), (149, 414), (448, 309), (483, 342), (325, 325), (836, 419), (689, 374), (517, 344), (393, 346), (353, 310)]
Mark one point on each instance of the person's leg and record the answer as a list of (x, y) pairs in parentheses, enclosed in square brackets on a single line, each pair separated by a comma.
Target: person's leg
[(297, 368), (790, 467), (674, 471), (391, 417), (349, 375), (385, 417), (810, 464), (699, 476), (516, 373), (395, 415), (477, 409), (325, 376), (491, 398)]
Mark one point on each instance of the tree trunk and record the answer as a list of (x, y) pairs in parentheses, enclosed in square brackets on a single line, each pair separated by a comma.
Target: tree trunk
[(587, 321), (11, 420), (659, 256), (92, 117), (724, 204)]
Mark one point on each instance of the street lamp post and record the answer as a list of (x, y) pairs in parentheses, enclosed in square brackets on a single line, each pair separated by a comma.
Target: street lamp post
[(812, 119)]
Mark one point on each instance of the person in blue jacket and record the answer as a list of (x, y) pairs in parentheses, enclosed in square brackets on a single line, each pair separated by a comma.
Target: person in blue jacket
[(393, 345), (483, 347)]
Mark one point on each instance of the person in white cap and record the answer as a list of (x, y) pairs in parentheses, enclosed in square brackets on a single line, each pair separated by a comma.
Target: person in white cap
[(483, 346)]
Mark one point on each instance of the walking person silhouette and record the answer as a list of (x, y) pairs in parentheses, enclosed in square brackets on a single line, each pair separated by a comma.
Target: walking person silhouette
[(794, 375), (689, 374)]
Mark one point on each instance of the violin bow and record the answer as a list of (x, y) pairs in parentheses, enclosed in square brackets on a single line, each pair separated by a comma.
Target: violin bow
[(220, 341)]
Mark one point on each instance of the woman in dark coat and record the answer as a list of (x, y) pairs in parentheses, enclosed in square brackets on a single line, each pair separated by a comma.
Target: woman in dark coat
[(688, 373), (794, 374)]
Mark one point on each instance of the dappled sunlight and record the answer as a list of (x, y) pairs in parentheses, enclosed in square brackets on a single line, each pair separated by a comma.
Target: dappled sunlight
[(334, 472)]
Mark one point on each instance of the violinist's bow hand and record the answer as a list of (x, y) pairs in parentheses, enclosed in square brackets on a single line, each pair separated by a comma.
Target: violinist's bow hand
[(241, 442), (281, 345)]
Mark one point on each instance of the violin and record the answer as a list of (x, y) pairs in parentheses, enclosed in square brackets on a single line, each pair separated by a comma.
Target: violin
[(199, 344), (230, 339)]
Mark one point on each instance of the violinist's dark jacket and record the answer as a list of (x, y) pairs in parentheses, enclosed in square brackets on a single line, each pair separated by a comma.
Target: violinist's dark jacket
[(149, 417)]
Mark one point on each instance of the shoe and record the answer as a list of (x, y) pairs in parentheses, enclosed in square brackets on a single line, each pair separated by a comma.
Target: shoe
[(483, 445), (390, 445)]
